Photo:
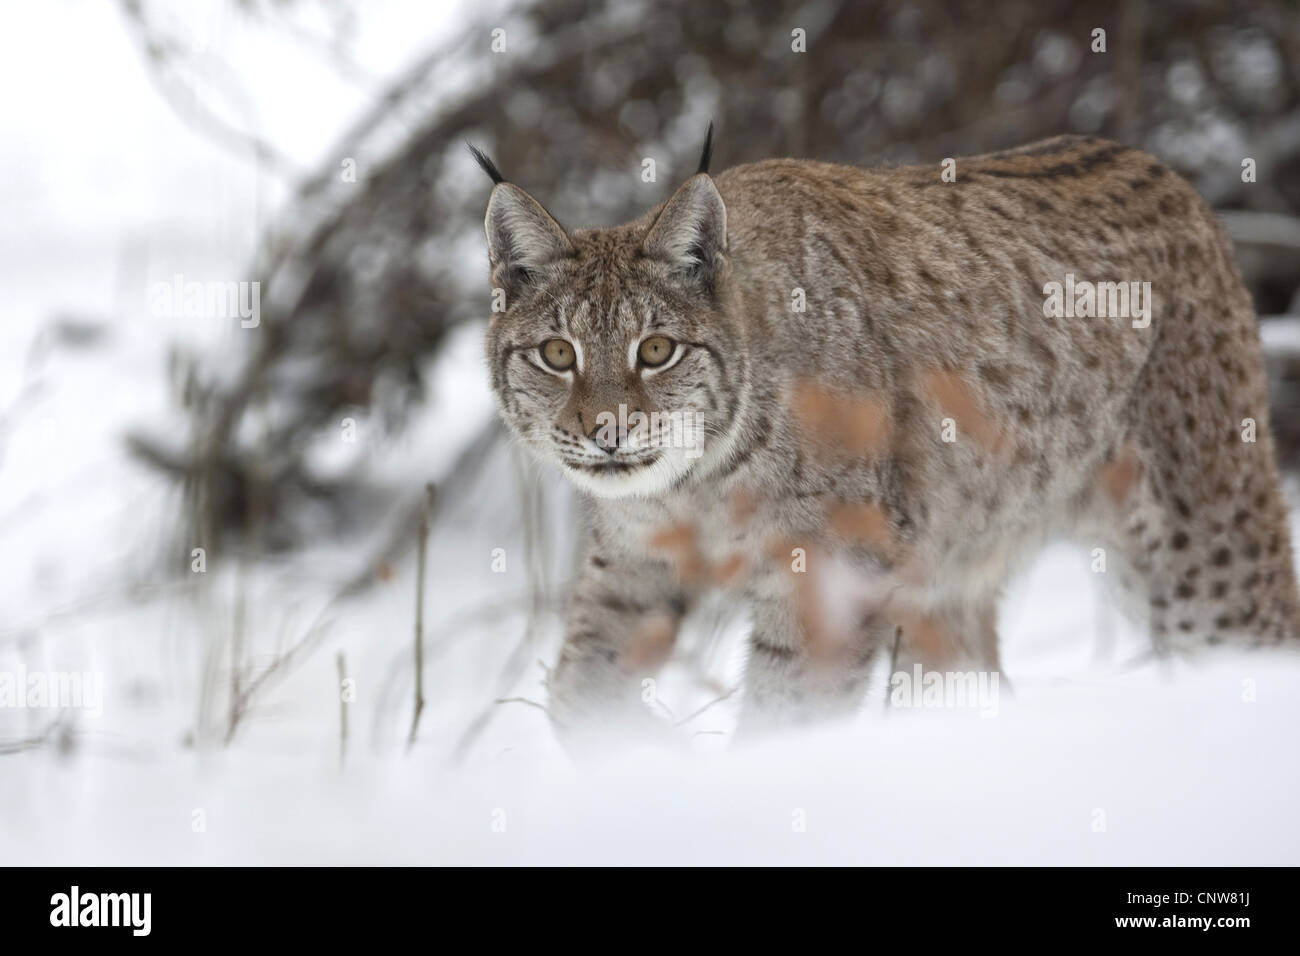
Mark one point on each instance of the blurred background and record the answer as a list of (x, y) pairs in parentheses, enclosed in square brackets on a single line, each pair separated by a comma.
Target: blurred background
[(244, 521)]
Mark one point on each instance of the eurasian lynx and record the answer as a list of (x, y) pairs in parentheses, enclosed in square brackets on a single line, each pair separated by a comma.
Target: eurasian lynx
[(867, 397)]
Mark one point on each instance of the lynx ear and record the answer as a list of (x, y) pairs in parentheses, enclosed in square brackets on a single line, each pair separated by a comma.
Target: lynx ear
[(521, 235), (691, 231)]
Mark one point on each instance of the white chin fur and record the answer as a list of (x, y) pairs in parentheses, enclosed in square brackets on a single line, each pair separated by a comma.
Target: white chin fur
[(645, 482)]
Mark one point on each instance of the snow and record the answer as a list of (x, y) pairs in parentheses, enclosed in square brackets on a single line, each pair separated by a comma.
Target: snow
[(1098, 756), (1281, 335), (1183, 770)]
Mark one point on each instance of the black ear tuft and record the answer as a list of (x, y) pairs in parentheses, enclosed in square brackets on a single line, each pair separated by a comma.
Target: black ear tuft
[(707, 155), (486, 164)]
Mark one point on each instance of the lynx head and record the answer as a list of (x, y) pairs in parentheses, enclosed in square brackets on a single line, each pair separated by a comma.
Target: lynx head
[(616, 356)]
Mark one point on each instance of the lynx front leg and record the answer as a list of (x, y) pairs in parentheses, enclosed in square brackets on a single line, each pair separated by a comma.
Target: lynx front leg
[(796, 676), (621, 628), (961, 636)]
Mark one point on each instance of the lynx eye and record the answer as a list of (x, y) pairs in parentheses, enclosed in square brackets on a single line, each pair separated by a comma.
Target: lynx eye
[(656, 350), (558, 354)]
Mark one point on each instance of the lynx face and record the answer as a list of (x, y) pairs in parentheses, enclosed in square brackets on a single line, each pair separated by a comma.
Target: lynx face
[(612, 358)]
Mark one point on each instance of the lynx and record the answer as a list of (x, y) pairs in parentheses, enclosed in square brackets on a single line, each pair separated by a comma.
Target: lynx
[(886, 390)]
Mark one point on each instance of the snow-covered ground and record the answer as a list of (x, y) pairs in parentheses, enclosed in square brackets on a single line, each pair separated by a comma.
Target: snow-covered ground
[(1098, 757)]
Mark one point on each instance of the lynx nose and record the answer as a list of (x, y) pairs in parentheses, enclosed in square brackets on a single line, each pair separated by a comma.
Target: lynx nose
[(606, 437)]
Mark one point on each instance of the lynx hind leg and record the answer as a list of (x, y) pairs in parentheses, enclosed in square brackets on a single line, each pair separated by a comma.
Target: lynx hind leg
[(1193, 505)]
